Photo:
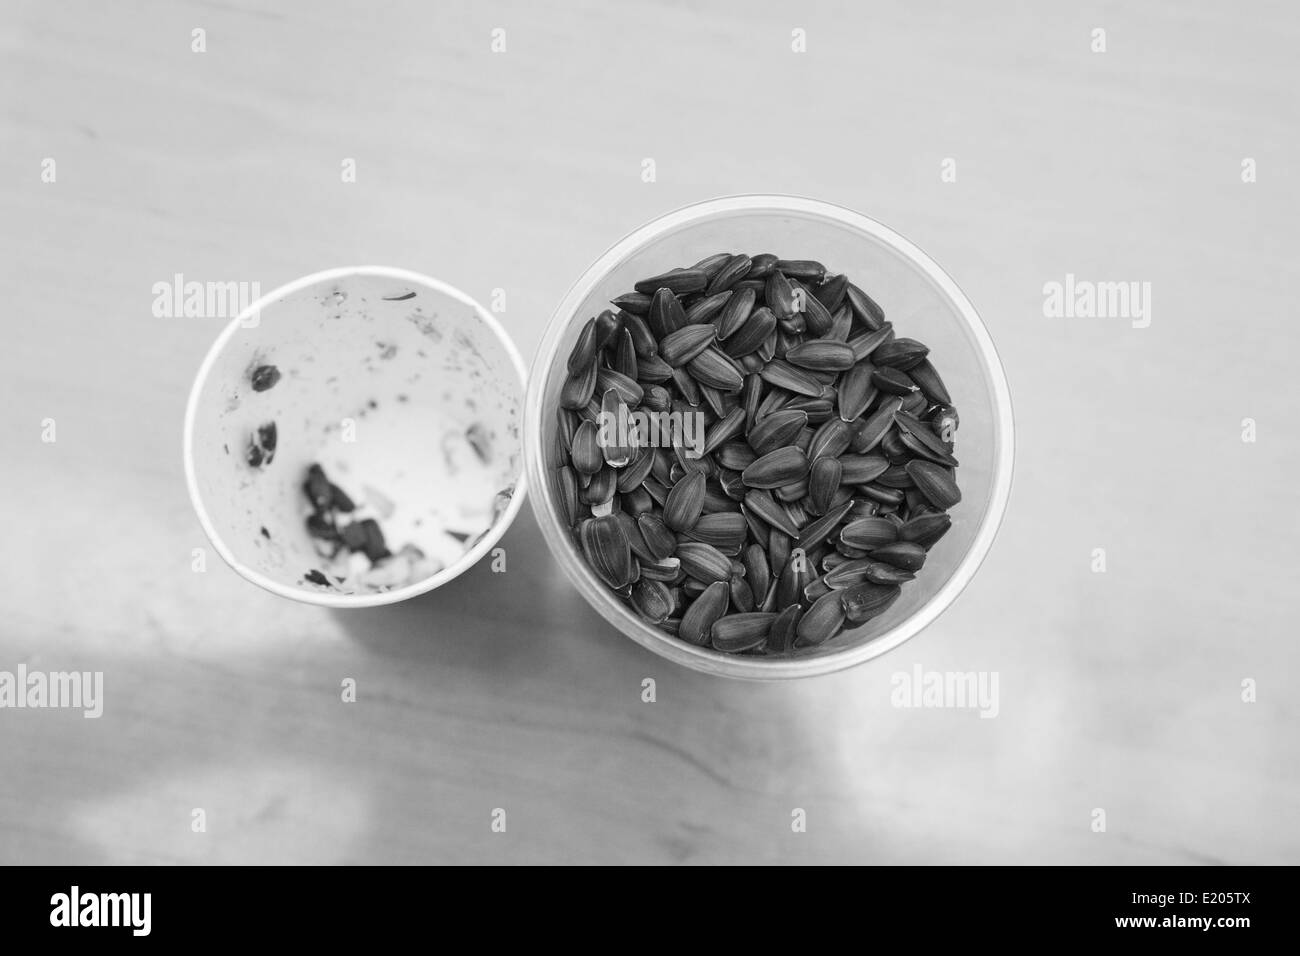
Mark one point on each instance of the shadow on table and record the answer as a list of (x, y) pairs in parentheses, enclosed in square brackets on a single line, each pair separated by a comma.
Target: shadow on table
[(519, 621)]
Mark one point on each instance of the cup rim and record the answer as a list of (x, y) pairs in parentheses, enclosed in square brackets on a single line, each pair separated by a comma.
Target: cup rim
[(326, 598), (706, 660)]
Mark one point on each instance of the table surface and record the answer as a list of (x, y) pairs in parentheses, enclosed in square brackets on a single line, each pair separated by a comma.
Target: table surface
[(1120, 691)]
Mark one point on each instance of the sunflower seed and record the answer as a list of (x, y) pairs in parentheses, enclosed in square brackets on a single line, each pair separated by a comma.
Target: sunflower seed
[(780, 296), (752, 333), (865, 601), (731, 272), (795, 576), (607, 551), (928, 381), (586, 454), (901, 554), (765, 507), (666, 314), (865, 308), (742, 597), (579, 388), (786, 376), (725, 530), (823, 482), (867, 342), (600, 489), (880, 573), (776, 468), (831, 292), (725, 429), (710, 265), (830, 440), (856, 393), (689, 388), (893, 381), (713, 367), (656, 398), (703, 561), (735, 312), (862, 469), (584, 350), (678, 282), (848, 574), (925, 530), (869, 533), (822, 621), (735, 455), (628, 390), (705, 309), (685, 501), (816, 532), (821, 355), (777, 430), (636, 303), (740, 632), (568, 485), (703, 613), (757, 571), (935, 482), (900, 354), (918, 438), (681, 345)]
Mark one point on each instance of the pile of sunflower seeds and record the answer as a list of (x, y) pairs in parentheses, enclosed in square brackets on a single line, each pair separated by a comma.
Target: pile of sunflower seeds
[(827, 469)]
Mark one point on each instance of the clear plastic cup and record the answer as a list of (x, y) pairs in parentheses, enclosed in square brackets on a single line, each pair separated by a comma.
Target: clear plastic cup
[(923, 303)]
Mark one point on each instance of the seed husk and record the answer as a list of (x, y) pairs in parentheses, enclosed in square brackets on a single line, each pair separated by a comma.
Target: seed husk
[(907, 555), (820, 355), (740, 632), (678, 282), (712, 367), (704, 611), (777, 468), (935, 482), (703, 561), (681, 345), (823, 620)]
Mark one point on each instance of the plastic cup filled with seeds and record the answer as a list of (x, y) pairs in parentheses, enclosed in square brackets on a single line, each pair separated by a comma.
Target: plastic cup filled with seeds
[(353, 438), (769, 437)]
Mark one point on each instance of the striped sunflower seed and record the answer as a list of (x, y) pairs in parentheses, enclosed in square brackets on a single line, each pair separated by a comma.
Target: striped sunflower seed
[(865, 307), (685, 502), (678, 282), (752, 333), (705, 309), (784, 375), (781, 638), (697, 623), (869, 533), (830, 440), (703, 561), (652, 599), (862, 469), (925, 529), (741, 632), (820, 355), (762, 504), (780, 296), (823, 482), (777, 468), (935, 482), (901, 554), (893, 381), (928, 381), (714, 368), (823, 620), (607, 551), (635, 303), (777, 430), (681, 345), (856, 393), (725, 530), (862, 602), (735, 269), (735, 313), (666, 314)]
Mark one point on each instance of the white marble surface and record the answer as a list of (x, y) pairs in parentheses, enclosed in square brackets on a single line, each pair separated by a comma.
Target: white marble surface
[(512, 171)]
